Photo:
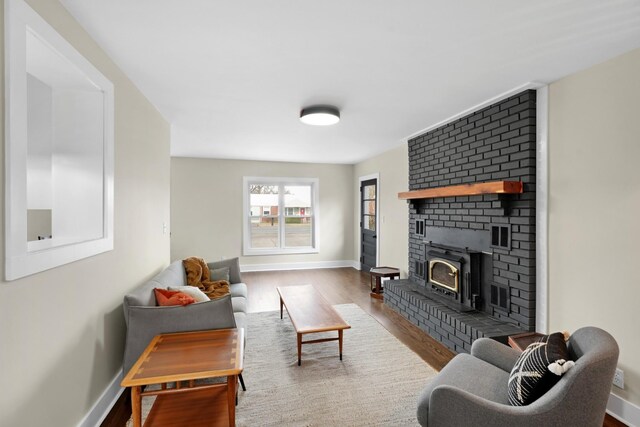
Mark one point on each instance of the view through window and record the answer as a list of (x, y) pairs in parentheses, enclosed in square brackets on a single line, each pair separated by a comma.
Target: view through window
[(282, 216)]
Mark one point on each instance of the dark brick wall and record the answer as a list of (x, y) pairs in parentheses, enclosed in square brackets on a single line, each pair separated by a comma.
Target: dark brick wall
[(495, 143)]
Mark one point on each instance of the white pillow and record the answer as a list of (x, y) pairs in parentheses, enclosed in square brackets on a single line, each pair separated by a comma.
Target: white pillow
[(192, 291)]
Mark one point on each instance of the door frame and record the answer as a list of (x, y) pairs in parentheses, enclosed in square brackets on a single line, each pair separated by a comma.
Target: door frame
[(375, 176)]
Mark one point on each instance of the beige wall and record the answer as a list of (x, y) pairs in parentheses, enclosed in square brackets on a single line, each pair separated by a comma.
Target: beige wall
[(62, 330), (594, 206), (393, 167), (206, 208)]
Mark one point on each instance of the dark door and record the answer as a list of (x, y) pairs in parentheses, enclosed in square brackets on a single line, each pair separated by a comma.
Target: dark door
[(368, 232)]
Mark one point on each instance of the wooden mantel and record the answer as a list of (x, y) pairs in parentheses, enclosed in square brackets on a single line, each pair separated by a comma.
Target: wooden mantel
[(493, 187)]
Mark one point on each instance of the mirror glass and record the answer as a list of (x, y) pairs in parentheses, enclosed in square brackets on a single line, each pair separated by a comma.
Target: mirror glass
[(64, 149), (58, 148)]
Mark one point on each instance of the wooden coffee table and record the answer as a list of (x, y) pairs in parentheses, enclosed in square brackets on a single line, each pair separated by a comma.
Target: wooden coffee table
[(310, 313), (186, 357)]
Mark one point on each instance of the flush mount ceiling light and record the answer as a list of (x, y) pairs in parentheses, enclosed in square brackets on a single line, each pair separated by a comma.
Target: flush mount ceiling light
[(320, 115)]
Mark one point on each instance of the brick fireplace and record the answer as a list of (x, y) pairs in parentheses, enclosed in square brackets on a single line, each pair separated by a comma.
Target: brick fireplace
[(472, 258)]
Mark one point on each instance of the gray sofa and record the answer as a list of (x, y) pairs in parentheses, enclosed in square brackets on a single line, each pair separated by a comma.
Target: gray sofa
[(472, 389), (144, 319)]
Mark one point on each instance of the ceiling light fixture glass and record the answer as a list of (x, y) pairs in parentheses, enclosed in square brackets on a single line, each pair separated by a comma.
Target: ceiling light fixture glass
[(320, 115)]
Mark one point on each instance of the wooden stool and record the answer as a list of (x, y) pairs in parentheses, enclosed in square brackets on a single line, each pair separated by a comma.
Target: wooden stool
[(379, 273)]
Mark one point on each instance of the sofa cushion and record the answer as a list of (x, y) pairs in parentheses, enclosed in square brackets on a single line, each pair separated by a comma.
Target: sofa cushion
[(238, 290), (234, 268), (173, 275), (219, 273), (166, 298), (143, 295), (538, 368), (239, 304), (192, 291)]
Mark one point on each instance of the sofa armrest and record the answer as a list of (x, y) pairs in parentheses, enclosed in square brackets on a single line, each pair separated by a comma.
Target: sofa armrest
[(233, 264), (495, 353), (145, 322)]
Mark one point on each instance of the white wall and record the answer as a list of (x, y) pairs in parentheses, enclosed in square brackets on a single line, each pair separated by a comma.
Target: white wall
[(594, 206), (62, 330), (393, 167), (206, 209)]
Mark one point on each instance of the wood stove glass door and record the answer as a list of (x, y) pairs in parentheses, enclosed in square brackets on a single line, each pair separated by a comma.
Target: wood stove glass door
[(444, 274)]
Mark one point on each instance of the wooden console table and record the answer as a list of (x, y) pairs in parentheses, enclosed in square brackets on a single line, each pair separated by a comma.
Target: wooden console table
[(378, 273)]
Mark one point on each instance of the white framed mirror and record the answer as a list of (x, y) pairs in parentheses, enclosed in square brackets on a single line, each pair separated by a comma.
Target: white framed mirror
[(59, 140)]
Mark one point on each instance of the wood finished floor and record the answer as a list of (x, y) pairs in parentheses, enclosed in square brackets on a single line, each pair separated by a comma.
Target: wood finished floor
[(344, 286), (338, 286)]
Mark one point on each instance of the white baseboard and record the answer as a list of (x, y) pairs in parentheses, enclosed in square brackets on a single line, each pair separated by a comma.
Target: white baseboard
[(103, 405), (623, 410), (299, 265)]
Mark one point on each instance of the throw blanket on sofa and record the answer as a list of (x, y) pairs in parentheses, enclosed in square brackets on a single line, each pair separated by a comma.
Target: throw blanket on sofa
[(198, 275)]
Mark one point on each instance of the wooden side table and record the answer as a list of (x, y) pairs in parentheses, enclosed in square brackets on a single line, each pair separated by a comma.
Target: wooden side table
[(378, 273), (522, 341), (186, 357)]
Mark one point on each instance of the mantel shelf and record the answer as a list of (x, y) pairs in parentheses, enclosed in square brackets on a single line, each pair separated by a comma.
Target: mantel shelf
[(493, 187)]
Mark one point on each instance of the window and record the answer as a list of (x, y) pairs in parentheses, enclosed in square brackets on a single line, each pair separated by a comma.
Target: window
[(281, 215)]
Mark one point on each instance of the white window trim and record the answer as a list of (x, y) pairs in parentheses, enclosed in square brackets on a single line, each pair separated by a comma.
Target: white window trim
[(246, 215)]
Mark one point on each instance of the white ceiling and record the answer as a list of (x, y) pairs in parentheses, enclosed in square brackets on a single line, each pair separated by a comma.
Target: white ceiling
[(232, 76)]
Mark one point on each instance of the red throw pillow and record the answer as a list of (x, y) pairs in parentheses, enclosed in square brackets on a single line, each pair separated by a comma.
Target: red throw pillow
[(165, 297)]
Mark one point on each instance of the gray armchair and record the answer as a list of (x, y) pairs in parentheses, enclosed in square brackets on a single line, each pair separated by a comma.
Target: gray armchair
[(472, 389)]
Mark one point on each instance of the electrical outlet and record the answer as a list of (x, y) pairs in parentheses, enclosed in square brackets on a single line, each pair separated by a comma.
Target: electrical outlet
[(618, 378)]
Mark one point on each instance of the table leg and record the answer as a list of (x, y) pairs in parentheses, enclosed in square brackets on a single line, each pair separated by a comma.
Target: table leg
[(232, 380), (136, 406), (281, 303), (340, 342), (299, 349)]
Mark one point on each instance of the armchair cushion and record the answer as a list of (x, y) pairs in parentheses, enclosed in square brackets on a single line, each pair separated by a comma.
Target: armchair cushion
[(495, 353), (467, 373)]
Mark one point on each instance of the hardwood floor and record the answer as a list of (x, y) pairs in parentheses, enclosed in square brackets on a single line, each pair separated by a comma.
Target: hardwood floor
[(344, 286), (338, 286)]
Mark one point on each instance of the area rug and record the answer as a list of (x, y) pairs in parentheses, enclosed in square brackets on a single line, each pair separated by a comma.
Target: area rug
[(376, 384)]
